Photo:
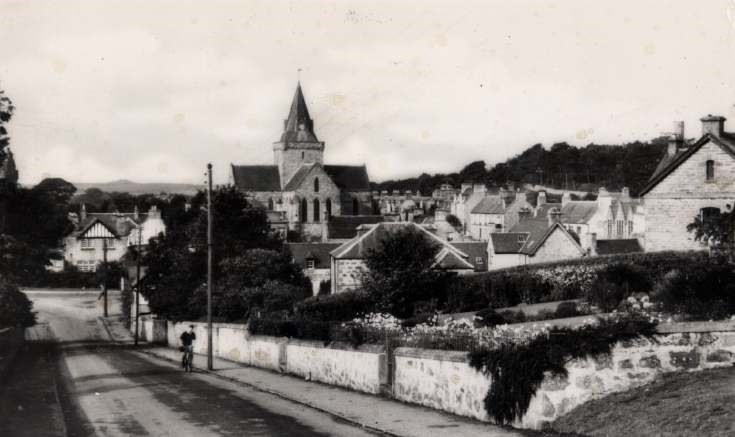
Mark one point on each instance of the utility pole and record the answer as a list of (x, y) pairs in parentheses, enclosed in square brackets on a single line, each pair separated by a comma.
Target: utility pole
[(137, 283), (104, 276), (209, 267)]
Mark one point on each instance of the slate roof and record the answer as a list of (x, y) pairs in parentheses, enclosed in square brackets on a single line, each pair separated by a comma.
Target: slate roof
[(611, 247), (319, 252), (256, 177), (489, 205), (349, 177), (474, 250), (578, 211), (345, 226), (670, 163), (298, 115), (543, 210), (298, 177), (449, 257), (505, 242), (535, 231), (119, 224)]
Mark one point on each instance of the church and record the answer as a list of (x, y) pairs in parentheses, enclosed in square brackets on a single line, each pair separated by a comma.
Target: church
[(299, 188)]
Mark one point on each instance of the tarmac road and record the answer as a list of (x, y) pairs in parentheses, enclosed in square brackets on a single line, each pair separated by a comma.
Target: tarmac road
[(70, 380)]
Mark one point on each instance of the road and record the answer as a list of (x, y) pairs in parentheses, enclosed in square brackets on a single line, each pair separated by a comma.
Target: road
[(71, 380)]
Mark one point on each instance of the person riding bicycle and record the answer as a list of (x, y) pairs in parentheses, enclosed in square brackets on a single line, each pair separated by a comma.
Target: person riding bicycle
[(187, 342)]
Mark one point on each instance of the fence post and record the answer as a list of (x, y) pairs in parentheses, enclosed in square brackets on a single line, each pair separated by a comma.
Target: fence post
[(389, 365)]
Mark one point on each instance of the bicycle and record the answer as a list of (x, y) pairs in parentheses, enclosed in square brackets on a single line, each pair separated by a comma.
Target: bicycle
[(187, 361)]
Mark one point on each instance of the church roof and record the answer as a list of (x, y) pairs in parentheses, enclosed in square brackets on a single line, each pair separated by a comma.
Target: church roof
[(299, 126), (256, 177), (349, 177)]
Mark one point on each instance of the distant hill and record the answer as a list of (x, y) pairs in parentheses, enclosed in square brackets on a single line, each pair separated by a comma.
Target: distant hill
[(126, 186)]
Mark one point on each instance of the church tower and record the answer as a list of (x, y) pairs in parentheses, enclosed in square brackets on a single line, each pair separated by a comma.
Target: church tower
[(299, 144)]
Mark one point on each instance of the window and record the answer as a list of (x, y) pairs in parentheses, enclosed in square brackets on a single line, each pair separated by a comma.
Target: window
[(710, 173), (109, 243), (709, 215), (579, 230), (270, 204), (329, 207), (355, 207), (86, 266), (310, 263), (302, 155), (479, 260), (316, 185), (304, 210), (630, 227), (316, 211), (620, 228), (609, 228), (86, 244)]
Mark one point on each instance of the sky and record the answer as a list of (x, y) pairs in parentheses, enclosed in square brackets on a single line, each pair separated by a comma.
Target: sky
[(153, 90)]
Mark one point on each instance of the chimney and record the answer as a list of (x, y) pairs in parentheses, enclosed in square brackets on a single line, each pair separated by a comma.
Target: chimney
[(479, 188), (713, 125), (83, 212), (589, 243), (520, 196), (136, 215), (625, 193), (566, 198), (676, 139), (554, 216), (541, 199)]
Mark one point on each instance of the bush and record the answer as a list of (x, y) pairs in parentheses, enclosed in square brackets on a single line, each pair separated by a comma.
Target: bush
[(325, 288), (297, 328), (566, 309), (15, 307), (489, 317), (615, 283), (335, 307), (701, 292), (517, 370)]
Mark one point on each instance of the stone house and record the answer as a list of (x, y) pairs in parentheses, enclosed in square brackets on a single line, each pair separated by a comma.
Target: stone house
[(348, 260), (532, 240), (97, 233), (299, 184), (314, 260), (496, 213), (465, 200), (691, 180)]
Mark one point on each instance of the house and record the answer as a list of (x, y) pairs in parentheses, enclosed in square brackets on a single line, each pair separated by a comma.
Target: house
[(100, 236), (348, 260), (532, 240), (476, 253), (299, 184), (314, 260), (496, 213), (691, 180), (465, 200)]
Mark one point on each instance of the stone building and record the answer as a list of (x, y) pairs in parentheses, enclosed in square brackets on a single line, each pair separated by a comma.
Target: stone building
[(691, 180), (496, 213), (299, 184), (97, 233), (462, 203)]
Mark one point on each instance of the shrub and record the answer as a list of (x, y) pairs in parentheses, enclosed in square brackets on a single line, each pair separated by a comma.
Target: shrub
[(566, 309), (517, 370), (490, 317), (325, 288), (701, 291), (15, 307), (335, 307), (615, 283), (297, 328)]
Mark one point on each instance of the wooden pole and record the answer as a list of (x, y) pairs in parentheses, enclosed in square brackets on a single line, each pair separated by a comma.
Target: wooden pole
[(137, 283), (104, 276), (209, 267)]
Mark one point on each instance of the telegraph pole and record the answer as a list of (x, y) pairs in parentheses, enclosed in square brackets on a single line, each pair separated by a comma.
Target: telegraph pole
[(209, 267), (137, 283), (104, 276)]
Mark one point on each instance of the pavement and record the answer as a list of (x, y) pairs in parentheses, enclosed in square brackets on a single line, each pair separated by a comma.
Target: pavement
[(374, 413)]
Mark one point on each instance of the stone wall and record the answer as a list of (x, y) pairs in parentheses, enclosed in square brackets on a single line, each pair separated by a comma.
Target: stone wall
[(348, 273)]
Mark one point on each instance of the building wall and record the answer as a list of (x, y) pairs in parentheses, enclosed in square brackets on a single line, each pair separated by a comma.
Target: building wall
[(73, 252), (482, 225), (289, 159), (677, 200), (558, 246), (503, 260), (347, 274), (316, 276)]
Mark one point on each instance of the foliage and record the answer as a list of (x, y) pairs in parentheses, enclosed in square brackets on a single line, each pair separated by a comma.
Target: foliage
[(395, 281), (718, 231), (19, 261), (298, 328), (615, 283), (517, 370), (15, 307), (255, 267), (567, 309), (560, 166), (6, 113), (701, 292), (335, 307), (454, 221), (325, 288)]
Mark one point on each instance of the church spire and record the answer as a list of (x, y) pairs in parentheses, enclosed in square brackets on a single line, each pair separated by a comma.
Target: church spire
[(299, 127)]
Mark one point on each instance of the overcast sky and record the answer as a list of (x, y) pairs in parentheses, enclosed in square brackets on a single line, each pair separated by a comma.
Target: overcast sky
[(153, 90)]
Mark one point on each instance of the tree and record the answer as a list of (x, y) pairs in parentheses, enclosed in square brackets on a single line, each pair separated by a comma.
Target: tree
[(400, 272), (716, 229), (454, 222), (474, 172), (6, 113)]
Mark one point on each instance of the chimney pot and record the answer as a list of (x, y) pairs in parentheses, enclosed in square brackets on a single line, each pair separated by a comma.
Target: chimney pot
[(713, 125)]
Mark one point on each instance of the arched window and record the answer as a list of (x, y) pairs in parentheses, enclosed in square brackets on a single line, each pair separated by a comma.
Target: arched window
[(316, 185), (304, 211), (270, 204), (710, 171), (329, 207), (316, 210), (355, 207)]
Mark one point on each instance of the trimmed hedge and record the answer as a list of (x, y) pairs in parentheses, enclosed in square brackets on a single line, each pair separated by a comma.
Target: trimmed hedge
[(338, 307), (571, 279)]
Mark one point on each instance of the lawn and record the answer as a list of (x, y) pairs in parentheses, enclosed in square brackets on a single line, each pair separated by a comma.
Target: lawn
[(675, 404)]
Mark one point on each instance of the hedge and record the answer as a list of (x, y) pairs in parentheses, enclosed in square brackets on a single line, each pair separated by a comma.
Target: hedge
[(334, 307), (565, 280), (15, 307)]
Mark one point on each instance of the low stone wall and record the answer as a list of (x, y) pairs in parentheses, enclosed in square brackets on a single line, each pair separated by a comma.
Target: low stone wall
[(152, 330), (363, 369), (444, 380)]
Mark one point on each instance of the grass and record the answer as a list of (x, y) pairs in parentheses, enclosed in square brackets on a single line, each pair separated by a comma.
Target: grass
[(677, 404)]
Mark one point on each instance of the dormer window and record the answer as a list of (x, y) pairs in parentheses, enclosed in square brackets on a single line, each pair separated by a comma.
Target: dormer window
[(710, 172)]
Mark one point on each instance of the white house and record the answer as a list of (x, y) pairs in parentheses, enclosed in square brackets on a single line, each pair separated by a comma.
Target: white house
[(496, 213)]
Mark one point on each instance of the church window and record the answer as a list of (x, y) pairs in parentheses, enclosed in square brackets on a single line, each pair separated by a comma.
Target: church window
[(316, 210), (609, 228), (620, 228), (316, 185), (302, 155), (355, 207), (270, 204), (304, 210), (329, 207), (710, 174)]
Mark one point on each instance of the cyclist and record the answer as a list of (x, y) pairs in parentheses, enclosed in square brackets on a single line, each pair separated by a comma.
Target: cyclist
[(187, 342)]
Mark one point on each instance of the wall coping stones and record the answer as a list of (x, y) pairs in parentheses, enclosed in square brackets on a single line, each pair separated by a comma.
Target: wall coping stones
[(681, 327), (339, 345), (432, 354)]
